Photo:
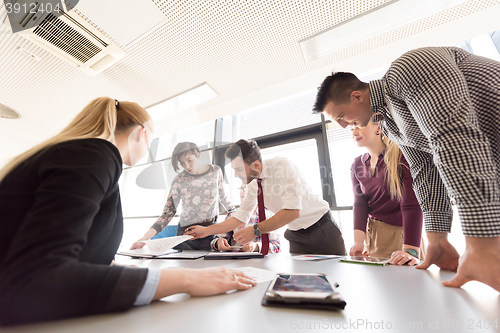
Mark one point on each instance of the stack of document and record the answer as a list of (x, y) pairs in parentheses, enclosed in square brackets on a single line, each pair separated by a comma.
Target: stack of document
[(162, 249)]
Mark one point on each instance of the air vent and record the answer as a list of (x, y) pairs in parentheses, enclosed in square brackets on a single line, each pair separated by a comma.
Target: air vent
[(70, 37), (64, 37), (8, 113)]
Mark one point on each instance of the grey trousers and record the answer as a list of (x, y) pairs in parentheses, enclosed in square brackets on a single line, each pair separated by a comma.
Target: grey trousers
[(323, 237)]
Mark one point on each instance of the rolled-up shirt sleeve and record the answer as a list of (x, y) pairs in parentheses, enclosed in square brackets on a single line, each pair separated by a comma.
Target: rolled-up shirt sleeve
[(149, 289)]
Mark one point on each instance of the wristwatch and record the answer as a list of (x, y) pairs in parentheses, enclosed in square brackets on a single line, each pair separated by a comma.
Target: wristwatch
[(413, 252), (256, 230)]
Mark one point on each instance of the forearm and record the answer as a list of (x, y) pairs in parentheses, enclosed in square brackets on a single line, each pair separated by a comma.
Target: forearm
[(280, 219), (482, 244), (149, 234), (225, 226), (359, 236), (201, 282), (408, 246), (172, 281), (435, 237)]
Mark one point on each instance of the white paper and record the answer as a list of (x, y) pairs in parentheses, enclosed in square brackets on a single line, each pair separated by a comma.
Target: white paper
[(143, 252), (258, 274), (162, 245)]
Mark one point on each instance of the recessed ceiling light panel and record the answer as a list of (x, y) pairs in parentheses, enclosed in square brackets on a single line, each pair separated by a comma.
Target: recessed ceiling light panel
[(382, 19), (182, 101)]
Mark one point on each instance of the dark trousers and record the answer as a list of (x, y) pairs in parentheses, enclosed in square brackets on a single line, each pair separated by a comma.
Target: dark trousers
[(195, 244), (323, 237)]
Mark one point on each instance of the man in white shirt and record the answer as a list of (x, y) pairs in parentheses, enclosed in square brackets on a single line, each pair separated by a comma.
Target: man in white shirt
[(311, 228)]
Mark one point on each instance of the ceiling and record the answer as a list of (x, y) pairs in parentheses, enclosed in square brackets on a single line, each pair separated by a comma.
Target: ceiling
[(247, 51)]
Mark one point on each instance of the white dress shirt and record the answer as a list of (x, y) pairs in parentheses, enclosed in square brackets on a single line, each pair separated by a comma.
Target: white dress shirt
[(284, 187)]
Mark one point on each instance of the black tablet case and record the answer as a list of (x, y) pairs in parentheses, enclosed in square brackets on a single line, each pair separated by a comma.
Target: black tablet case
[(334, 306)]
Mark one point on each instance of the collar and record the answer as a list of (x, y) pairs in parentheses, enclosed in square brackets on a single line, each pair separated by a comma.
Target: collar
[(264, 173), (366, 156), (377, 100)]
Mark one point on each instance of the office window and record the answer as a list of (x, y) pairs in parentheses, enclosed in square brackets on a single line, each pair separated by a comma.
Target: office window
[(484, 46), (144, 189), (343, 218), (269, 119), (304, 154), (487, 45), (133, 229), (495, 37), (343, 151), (202, 135)]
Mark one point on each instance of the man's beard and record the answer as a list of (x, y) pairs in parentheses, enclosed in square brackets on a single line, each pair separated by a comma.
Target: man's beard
[(253, 175)]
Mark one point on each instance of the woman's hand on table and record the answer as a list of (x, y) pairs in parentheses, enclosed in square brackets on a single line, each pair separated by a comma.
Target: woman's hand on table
[(401, 258), (201, 282), (357, 250), (137, 245)]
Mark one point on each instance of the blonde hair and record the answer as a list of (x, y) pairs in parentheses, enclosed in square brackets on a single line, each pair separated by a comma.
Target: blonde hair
[(101, 118), (393, 169)]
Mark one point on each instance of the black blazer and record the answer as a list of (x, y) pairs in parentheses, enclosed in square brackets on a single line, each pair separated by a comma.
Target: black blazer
[(60, 226)]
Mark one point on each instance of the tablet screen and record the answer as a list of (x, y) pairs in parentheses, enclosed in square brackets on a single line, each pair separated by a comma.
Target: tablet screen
[(370, 259), (302, 283)]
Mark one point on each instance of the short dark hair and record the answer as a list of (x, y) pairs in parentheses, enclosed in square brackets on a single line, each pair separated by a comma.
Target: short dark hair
[(337, 88), (183, 148), (249, 151)]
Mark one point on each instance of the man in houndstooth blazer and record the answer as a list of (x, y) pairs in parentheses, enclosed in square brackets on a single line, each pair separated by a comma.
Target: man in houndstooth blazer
[(441, 105)]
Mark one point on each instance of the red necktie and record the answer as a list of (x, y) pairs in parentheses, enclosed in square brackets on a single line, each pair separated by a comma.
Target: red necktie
[(262, 217)]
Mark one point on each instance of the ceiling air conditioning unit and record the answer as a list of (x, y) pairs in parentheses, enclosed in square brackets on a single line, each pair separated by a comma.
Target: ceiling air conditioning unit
[(67, 35)]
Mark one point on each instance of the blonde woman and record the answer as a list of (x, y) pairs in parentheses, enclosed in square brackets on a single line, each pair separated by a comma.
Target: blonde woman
[(61, 224), (387, 217)]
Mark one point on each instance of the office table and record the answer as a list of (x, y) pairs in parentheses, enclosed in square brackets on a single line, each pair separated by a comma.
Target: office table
[(390, 298)]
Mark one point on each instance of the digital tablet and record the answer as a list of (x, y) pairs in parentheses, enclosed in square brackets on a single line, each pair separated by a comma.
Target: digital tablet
[(305, 290), (366, 260)]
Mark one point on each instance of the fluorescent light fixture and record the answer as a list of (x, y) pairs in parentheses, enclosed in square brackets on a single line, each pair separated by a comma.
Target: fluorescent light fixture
[(182, 101), (387, 17)]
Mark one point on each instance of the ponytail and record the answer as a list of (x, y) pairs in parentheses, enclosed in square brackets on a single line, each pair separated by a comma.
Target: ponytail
[(393, 171), (101, 118)]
